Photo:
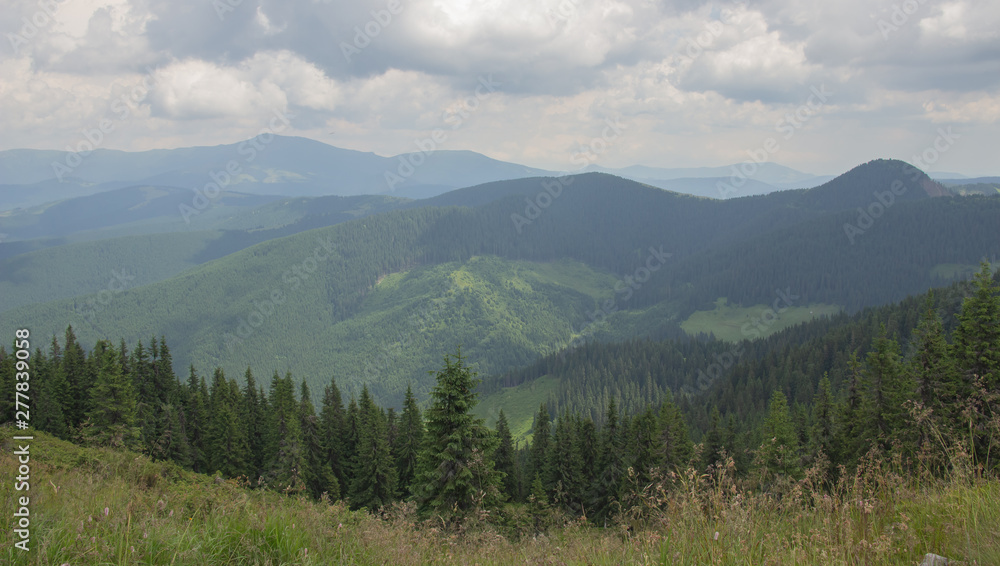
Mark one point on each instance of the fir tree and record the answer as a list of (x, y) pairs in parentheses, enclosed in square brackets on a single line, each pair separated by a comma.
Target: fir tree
[(540, 440)]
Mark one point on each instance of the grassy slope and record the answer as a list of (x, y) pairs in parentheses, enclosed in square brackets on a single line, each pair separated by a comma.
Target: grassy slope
[(728, 322), (96, 506)]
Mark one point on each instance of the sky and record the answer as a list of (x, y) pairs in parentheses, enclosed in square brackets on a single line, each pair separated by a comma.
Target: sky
[(820, 86)]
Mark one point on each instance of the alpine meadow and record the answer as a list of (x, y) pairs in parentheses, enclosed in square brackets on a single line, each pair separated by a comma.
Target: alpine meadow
[(437, 282)]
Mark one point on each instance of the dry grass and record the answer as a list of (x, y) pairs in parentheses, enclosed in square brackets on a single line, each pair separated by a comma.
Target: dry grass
[(93, 506)]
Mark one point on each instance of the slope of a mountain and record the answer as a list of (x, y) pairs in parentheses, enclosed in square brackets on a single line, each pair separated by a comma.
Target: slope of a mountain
[(658, 256)]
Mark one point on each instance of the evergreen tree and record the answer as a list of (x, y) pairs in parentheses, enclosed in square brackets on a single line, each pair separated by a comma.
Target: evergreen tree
[(886, 388), (317, 473), (606, 493), (112, 417), (540, 440), (714, 440), (375, 477), (226, 441), (779, 451), (47, 386), (675, 443), (504, 457), (455, 469), (334, 431), (821, 433), (977, 352), (197, 414), (409, 441), (252, 419), (284, 451), (565, 466), (75, 370), (172, 443), (643, 446)]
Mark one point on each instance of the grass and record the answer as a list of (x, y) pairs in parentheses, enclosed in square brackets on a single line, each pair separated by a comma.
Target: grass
[(734, 323), (97, 506), (519, 404)]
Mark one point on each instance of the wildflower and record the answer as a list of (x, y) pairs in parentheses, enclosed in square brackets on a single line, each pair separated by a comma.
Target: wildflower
[(106, 511)]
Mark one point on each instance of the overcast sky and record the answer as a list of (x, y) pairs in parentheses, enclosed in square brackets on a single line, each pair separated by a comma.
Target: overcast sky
[(690, 83)]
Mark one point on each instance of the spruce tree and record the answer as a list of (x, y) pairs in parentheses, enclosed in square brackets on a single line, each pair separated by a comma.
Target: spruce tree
[(252, 419), (284, 452), (375, 477), (541, 438), (112, 416), (565, 466), (779, 450), (409, 441), (504, 456), (226, 442), (455, 469), (675, 443), (334, 430), (317, 473), (606, 493)]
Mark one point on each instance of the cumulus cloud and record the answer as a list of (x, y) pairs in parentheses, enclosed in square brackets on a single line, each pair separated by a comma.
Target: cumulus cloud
[(699, 81)]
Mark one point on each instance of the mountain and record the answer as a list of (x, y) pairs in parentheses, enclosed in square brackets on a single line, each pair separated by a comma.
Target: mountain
[(512, 273), (275, 165)]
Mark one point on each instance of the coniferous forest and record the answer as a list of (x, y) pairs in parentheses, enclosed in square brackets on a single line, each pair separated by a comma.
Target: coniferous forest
[(916, 384)]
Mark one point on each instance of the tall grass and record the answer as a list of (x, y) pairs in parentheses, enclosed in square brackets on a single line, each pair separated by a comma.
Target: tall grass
[(98, 506)]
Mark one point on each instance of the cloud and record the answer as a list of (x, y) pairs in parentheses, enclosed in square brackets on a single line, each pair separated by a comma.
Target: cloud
[(719, 72)]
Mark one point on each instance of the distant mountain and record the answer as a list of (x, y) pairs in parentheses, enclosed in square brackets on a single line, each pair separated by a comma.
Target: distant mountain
[(283, 166)]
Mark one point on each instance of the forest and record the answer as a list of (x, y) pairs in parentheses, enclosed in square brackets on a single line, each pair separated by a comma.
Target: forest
[(897, 384)]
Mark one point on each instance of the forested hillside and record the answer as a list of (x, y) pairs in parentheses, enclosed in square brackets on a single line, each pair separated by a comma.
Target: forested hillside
[(352, 298)]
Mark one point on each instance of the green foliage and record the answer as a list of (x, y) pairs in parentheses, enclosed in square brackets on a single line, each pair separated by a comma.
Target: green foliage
[(455, 473), (111, 420), (375, 477), (779, 452)]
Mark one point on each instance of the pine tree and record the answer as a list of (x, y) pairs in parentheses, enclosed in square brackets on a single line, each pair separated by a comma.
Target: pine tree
[(409, 442), (714, 441), (455, 469), (375, 477), (643, 446), (48, 385), (112, 417), (886, 388)]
